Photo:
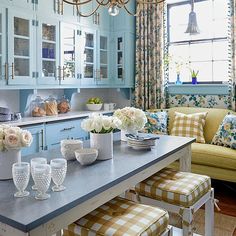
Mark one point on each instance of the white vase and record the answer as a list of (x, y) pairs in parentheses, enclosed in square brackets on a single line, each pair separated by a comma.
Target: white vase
[(7, 159), (104, 144)]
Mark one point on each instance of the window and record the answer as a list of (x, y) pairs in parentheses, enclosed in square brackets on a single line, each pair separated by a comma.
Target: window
[(206, 52)]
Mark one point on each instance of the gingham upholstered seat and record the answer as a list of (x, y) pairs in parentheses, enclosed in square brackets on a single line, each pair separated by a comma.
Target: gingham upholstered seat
[(121, 217), (175, 187)]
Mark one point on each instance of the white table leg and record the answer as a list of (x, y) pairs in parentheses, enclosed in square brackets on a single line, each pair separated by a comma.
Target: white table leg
[(185, 160), (209, 215)]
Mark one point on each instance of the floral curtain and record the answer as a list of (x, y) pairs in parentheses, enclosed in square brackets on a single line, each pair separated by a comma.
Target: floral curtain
[(232, 78), (150, 85)]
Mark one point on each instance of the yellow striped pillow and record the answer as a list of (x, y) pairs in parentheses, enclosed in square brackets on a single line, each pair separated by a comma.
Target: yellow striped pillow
[(190, 125)]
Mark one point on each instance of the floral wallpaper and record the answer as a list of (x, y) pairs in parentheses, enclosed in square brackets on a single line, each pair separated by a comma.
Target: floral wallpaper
[(209, 101)]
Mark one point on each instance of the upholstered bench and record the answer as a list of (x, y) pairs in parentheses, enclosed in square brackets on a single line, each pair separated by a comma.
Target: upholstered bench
[(122, 217), (182, 193)]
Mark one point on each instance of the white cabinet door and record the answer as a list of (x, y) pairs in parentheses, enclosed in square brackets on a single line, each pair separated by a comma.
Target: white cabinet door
[(70, 60), (48, 50), (3, 78), (27, 4), (87, 45), (21, 51)]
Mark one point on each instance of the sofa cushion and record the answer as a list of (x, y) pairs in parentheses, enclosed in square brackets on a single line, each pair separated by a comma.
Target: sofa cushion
[(226, 134), (213, 155), (189, 125), (213, 119), (156, 122)]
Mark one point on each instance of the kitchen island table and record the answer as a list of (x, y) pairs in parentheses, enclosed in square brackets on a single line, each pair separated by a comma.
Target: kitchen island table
[(87, 187)]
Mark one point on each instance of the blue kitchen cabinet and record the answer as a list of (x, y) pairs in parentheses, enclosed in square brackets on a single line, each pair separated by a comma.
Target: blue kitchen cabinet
[(38, 143), (57, 131), (21, 47), (26, 4)]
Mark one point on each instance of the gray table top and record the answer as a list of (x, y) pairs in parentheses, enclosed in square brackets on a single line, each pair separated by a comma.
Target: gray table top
[(82, 182)]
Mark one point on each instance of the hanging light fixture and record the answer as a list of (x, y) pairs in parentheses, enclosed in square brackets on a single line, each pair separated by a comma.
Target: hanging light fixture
[(114, 6), (192, 21)]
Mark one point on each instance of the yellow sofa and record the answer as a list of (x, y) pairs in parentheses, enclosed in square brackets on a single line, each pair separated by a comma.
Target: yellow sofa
[(218, 162)]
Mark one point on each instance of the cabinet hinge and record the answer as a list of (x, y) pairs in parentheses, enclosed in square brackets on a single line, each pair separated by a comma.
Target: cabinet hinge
[(33, 74), (35, 1), (36, 74), (79, 32)]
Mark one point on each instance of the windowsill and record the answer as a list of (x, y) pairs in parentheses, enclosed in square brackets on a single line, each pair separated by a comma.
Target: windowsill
[(199, 89)]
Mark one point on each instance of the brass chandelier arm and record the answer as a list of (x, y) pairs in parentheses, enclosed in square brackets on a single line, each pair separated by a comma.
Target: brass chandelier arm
[(101, 3), (152, 2), (90, 14), (77, 3)]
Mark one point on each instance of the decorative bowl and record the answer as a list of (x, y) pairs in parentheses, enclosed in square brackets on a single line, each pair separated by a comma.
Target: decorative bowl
[(94, 107), (68, 147), (86, 156)]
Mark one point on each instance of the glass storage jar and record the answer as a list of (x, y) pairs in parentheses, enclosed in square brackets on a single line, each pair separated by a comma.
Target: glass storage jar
[(37, 107), (63, 105), (51, 106)]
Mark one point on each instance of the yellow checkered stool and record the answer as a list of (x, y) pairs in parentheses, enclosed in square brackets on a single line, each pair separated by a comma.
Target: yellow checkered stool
[(121, 217), (182, 193)]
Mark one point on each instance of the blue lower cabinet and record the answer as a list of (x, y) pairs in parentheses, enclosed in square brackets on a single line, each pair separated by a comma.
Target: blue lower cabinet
[(38, 143), (57, 131)]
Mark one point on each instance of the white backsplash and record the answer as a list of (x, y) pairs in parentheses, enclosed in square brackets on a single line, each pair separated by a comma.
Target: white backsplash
[(10, 98)]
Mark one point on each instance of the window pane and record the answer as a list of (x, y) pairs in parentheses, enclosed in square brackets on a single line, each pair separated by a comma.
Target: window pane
[(220, 50), (220, 69), (219, 28), (205, 70), (49, 32), (21, 27), (220, 9), (179, 51), (201, 52)]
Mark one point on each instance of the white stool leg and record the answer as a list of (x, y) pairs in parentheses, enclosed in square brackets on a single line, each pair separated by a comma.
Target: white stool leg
[(187, 220), (209, 215)]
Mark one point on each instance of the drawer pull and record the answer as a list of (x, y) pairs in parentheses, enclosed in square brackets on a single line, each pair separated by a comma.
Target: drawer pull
[(66, 129)]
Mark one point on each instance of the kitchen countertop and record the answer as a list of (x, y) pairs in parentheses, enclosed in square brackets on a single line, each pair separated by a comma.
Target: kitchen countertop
[(45, 119)]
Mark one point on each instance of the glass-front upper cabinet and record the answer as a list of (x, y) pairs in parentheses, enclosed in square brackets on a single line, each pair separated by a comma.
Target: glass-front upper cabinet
[(103, 54), (2, 47), (88, 57), (69, 69), (20, 49), (120, 59), (48, 51)]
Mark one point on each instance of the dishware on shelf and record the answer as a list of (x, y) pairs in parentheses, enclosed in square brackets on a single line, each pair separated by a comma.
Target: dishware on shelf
[(86, 156), (42, 180), (33, 162), (94, 107), (68, 147), (21, 174), (59, 168)]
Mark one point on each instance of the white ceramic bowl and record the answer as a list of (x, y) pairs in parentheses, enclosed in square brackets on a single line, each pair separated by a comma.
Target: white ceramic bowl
[(68, 147), (94, 107), (86, 156)]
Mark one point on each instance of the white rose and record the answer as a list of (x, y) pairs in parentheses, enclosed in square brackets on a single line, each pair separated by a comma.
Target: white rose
[(26, 138), (1, 145), (1, 133), (116, 123), (13, 130), (87, 125), (97, 124), (12, 141), (107, 123)]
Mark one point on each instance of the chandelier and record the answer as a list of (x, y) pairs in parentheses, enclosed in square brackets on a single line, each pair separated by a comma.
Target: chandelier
[(113, 6), (192, 21)]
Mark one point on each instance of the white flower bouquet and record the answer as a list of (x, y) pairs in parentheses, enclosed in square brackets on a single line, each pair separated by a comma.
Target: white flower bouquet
[(132, 119), (14, 138), (99, 124)]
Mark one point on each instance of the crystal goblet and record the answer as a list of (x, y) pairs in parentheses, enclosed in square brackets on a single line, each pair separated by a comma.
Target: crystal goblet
[(59, 168), (42, 179), (21, 175), (33, 161)]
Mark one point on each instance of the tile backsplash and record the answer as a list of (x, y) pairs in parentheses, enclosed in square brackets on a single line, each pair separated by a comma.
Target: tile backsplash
[(10, 99)]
